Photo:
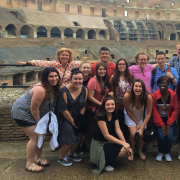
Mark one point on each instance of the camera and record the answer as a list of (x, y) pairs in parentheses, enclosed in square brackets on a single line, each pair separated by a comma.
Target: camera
[(136, 136)]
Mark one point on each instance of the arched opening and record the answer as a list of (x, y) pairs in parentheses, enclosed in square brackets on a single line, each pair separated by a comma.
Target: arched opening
[(80, 34), (177, 26), (55, 32), (178, 35), (68, 33), (39, 75), (18, 79), (160, 34), (41, 32), (91, 34), (102, 35), (30, 76), (112, 56), (169, 27), (173, 36), (11, 30), (160, 29), (26, 32)]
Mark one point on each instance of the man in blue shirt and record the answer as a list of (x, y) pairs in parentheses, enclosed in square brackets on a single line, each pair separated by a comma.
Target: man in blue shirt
[(175, 60), (162, 71)]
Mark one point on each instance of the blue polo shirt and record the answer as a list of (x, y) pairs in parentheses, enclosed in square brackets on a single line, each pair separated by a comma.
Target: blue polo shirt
[(159, 73)]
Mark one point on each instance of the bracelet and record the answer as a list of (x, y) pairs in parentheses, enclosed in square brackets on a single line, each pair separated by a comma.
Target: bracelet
[(27, 63)]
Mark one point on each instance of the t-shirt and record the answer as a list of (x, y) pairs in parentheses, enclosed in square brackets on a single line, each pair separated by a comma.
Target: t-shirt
[(93, 84), (110, 126), (110, 68), (143, 74)]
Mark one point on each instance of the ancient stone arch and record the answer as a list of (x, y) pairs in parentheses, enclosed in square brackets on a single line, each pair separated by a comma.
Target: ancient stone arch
[(11, 29), (55, 32), (177, 26), (27, 31), (160, 29), (41, 31), (80, 34), (18, 79), (30, 76), (173, 36), (68, 32), (91, 34), (169, 27), (102, 35)]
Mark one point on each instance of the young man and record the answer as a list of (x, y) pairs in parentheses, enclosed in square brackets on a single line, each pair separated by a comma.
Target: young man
[(175, 60), (104, 55), (163, 70)]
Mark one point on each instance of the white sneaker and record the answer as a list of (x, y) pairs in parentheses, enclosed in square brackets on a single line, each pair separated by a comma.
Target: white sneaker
[(159, 157), (168, 157), (108, 168)]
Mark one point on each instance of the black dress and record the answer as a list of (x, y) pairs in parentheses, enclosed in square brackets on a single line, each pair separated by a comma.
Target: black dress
[(66, 133), (111, 150)]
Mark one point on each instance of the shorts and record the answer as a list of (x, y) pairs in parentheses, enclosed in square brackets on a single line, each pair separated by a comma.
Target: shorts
[(22, 123)]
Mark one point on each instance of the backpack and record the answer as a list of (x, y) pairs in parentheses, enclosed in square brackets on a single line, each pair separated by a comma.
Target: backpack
[(154, 73)]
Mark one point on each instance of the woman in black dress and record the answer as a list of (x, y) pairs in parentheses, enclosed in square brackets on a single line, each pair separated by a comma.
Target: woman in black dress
[(105, 125), (71, 103)]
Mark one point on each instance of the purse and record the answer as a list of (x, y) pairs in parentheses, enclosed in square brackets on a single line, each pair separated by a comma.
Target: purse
[(149, 134)]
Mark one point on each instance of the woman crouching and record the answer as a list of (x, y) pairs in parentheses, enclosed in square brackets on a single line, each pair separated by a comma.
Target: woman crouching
[(105, 148)]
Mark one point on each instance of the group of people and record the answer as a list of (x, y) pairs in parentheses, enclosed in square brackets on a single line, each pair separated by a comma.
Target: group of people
[(112, 101)]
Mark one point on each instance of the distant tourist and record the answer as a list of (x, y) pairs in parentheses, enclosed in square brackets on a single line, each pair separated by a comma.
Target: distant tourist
[(121, 82), (165, 112), (105, 148), (64, 63), (104, 55), (143, 69), (163, 70), (138, 107), (71, 104), (30, 108)]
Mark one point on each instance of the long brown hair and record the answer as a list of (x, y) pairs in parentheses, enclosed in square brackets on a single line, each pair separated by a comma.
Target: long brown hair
[(143, 95), (105, 78), (127, 74)]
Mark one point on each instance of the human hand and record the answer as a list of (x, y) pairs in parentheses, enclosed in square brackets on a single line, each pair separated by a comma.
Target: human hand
[(167, 129), (168, 74), (126, 146), (138, 126), (140, 131), (164, 130), (21, 63), (129, 152), (111, 94), (74, 125)]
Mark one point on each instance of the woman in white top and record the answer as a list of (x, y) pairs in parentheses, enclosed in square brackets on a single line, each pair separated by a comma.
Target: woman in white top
[(134, 102)]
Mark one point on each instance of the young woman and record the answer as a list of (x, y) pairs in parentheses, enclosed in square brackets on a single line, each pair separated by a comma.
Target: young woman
[(64, 63), (71, 103), (98, 87), (134, 102), (30, 108), (121, 82), (165, 112), (85, 68), (102, 152)]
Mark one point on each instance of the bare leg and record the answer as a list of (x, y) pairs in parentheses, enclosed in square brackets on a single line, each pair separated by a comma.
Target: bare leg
[(73, 148), (64, 150), (31, 145), (140, 146)]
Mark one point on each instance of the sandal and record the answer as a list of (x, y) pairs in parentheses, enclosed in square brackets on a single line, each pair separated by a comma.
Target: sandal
[(31, 169), (44, 163), (131, 157), (142, 156)]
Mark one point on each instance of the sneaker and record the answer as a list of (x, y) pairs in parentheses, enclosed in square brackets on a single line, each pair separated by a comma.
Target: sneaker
[(84, 149), (168, 157), (159, 157), (108, 168), (74, 157), (64, 161)]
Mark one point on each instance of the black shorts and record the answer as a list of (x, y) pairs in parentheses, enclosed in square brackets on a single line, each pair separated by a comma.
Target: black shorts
[(22, 123)]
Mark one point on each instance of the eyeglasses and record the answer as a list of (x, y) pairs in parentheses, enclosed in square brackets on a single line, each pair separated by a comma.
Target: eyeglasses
[(142, 59), (121, 64)]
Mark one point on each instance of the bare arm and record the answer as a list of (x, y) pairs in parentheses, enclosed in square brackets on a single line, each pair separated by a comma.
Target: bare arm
[(38, 95), (151, 89), (118, 131), (91, 97), (111, 93)]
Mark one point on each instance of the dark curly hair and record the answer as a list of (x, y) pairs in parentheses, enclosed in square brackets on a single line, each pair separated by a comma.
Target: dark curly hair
[(46, 85), (127, 74)]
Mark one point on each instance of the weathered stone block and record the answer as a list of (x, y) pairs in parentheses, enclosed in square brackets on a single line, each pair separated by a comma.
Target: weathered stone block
[(18, 132), (5, 139), (7, 135), (19, 138), (7, 125)]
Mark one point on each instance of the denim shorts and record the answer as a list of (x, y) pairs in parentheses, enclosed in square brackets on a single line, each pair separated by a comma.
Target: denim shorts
[(22, 123)]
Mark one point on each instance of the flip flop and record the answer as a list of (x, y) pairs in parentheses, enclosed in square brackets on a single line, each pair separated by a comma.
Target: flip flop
[(44, 163), (142, 156), (31, 169)]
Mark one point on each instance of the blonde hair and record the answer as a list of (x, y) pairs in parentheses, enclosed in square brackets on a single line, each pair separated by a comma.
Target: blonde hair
[(140, 53), (177, 44), (84, 62), (59, 51)]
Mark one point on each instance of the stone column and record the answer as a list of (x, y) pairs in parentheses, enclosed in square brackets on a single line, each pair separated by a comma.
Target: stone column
[(48, 33), (86, 36), (74, 34), (97, 36), (35, 34), (24, 79)]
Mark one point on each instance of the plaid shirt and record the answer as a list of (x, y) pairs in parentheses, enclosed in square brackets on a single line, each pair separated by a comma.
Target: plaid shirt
[(175, 62)]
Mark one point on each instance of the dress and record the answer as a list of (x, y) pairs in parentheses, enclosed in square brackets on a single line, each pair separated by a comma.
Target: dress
[(56, 64), (66, 132)]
